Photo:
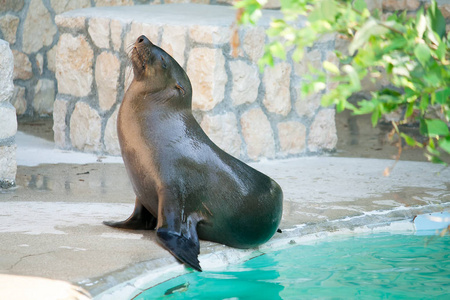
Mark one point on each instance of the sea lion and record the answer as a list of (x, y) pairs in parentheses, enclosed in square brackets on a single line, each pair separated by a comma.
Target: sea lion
[(186, 187)]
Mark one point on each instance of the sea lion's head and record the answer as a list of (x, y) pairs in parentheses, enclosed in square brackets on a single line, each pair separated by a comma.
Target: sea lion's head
[(156, 71)]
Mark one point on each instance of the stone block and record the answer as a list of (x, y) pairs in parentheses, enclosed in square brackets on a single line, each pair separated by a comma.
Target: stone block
[(245, 82), (44, 97), (312, 58), (99, 31), (292, 137), (74, 61), (60, 6), (107, 69), (8, 120), (277, 83), (18, 100), (8, 166), (59, 122), (272, 4), (6, 72), (113, 2), (116, 34), (322, 133), (307, 106), (51, 59), (22, 66), (258, 134), (14, 5), (392, 5), (40, 63), (38, 28), (254, 41), (206, 70), (8, 26), (174, 42), (375, 4), (111, 139), (70, 22), (223, 131), (85, 128), (445, 10), (211, 35)]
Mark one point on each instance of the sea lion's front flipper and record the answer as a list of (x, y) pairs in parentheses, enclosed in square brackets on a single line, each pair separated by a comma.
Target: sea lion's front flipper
[(140, 219), (177, 228), (185, 249)]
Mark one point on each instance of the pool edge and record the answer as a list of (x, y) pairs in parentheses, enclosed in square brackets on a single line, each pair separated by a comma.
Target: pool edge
[(152, 273)]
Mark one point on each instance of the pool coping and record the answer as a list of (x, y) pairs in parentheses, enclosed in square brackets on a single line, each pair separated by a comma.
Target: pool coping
[(152, 273)]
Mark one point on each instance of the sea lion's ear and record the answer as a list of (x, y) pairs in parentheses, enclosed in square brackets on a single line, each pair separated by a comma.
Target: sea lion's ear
[(163, 62), (181, 88)]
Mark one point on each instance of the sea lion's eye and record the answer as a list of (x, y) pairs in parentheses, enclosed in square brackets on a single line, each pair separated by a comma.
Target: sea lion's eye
[(163, 64)]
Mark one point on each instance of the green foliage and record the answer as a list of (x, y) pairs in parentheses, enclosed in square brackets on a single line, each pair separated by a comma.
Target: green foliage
[(412, 53)]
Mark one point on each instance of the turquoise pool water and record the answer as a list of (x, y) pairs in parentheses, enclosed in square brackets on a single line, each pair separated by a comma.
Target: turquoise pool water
[(392, 266)]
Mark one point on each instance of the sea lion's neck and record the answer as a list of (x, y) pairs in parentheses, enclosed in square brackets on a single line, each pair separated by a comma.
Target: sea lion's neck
[(169, 98)]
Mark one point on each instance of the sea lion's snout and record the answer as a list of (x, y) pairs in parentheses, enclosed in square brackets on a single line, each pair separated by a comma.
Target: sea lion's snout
[(142, 41), (140, 54)]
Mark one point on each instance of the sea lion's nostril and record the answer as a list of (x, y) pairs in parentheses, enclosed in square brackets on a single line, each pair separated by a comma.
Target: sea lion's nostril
[(140, 40)]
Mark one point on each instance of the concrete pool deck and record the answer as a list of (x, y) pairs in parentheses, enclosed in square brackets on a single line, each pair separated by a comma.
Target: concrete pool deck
[(51, 223)]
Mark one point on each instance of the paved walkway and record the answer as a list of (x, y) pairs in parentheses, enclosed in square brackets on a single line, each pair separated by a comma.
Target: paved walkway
[(51, 224)]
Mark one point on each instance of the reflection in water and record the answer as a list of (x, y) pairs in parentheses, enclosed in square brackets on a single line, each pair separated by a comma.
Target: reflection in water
[(254, 279), (39, 182)]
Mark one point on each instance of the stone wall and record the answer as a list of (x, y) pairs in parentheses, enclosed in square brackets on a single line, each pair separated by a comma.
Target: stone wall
[(29, 26), (249, 114), (8, 121)]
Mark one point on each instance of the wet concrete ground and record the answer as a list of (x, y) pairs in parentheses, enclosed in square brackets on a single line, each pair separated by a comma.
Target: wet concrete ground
[(51, 224)]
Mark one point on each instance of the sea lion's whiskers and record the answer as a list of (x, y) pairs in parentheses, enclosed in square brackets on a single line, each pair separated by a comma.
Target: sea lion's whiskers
[(129, 48)]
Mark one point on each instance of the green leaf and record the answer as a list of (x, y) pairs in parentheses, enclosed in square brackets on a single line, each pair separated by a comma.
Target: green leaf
[(423, 127), (445, 144), (328, 9), (331, 67), (422, 53), (436, 127), (340, 105), (375, 117), (318, 86), (266, 60), (277, 50), (441, 51), (435, 19), (409, 110), (424, 101), (359, 5), (370, 28), (432, 149), (435, 159), (421, 23), (298, 54), (443, 96), (353, 76), (411, 141)]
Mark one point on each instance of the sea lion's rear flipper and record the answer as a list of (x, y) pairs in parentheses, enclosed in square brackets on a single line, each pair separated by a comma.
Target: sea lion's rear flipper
[(185, 249), (140, 219)]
